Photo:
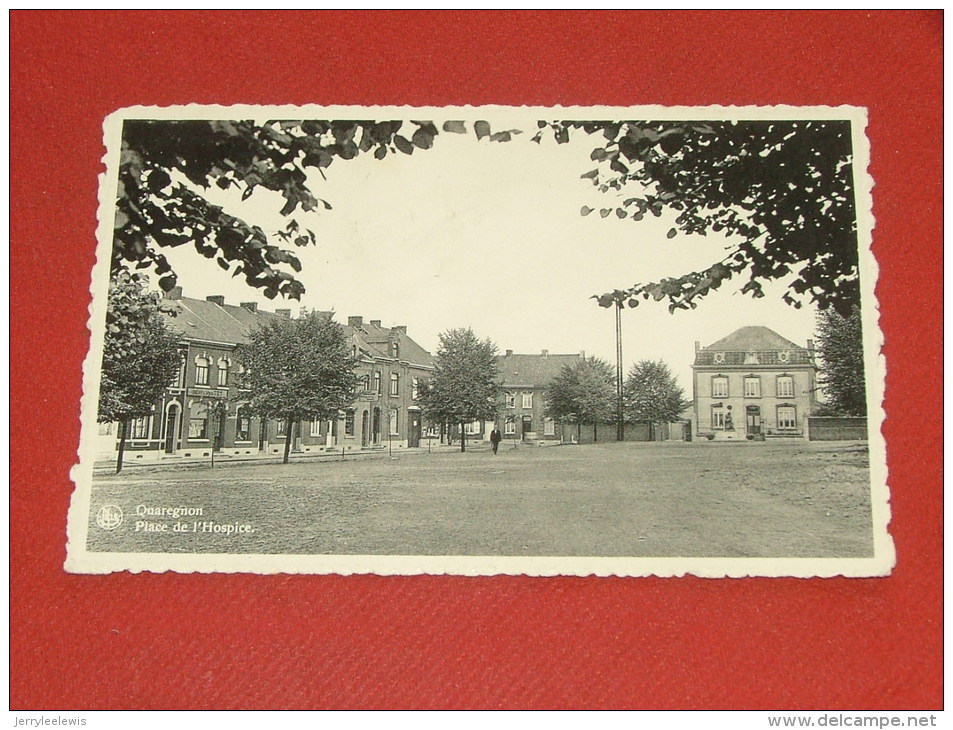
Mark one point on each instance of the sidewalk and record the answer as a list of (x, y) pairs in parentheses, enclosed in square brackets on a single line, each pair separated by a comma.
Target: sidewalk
[(105, 466)]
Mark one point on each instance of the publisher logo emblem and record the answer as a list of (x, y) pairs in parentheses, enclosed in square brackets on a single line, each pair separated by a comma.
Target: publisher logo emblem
[(109, 517)]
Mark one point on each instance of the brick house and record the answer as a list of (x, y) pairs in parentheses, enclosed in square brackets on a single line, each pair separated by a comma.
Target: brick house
[(202, 410), (753, 383)]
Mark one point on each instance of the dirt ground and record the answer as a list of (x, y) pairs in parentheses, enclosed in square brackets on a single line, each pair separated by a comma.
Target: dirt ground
[(672, 499)]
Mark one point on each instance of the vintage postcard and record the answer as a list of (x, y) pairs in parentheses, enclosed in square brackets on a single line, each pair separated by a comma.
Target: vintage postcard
[(484, 340)]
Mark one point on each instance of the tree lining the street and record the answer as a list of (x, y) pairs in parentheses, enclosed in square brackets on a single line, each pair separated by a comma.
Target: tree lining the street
[(782, 191), (582, 393), (841, 377), (652, 394), (140, 355), (297, 369), (464, 385)]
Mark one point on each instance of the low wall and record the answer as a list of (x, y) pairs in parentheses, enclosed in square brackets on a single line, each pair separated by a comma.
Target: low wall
[(583, 434), (836, 428)]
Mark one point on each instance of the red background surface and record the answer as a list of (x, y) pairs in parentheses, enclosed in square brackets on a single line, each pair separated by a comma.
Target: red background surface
[(245, 641)]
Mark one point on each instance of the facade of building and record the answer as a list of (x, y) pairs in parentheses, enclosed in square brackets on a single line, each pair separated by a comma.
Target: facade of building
[(524, 380), (202, 410), (753, 383)]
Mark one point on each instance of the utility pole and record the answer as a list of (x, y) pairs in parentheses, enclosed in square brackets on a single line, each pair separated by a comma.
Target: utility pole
[(620, 408)]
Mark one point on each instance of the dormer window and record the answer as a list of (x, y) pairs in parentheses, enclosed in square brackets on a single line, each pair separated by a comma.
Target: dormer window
[(395, 350)]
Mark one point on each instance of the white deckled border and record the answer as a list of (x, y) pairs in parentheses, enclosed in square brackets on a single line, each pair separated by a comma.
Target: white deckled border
[(80, 560)]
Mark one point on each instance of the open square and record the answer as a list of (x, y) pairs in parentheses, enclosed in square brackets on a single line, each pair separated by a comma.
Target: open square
[(674, 499)]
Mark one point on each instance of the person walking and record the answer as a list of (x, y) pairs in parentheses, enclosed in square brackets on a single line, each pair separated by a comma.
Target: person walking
[(495, 438)]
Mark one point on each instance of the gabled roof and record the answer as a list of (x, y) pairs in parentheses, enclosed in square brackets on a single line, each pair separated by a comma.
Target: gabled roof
[(198, 319), (379, 339), (753, 345), (532, 370)]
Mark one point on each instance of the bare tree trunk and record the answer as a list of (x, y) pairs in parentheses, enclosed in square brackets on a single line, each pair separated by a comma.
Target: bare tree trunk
[(463, 437), (122, 445), (289, 426), (595, 432)]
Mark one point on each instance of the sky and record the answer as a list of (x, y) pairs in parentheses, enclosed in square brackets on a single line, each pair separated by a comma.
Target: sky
[(490, 236)]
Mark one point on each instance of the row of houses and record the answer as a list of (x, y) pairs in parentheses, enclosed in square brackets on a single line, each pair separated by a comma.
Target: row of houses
[(751, 382)]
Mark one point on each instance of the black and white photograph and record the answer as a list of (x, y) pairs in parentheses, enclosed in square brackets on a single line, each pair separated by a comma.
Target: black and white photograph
[(484, 340)]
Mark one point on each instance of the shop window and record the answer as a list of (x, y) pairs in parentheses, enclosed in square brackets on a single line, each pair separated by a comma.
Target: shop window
[(198, 421)]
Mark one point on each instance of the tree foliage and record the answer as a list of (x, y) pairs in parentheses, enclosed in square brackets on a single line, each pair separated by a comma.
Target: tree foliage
[(140, 354), (652, 395), (464, 385), (140, 351), (841, 367), (297, 369), (166, 166), (781, 191), (583, 392)]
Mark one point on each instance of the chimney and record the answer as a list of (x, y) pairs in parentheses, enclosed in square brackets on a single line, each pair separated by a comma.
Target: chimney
[(402, 328), (286, 313), (174, 293), (508, 353), (697, 345), (355, 322), (545, 353), (810, 345), (216, 299), (250, 306), (582, 354), (375, 323)]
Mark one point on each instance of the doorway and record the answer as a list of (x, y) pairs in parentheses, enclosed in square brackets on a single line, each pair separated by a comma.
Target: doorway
[(753, 414), (172, 414)]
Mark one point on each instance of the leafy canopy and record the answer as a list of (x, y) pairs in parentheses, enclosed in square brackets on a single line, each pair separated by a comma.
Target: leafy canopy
[(782, 191), (297, 369), (841, 367), (140, 351), (652, 395), (464, 385), (583, 392)]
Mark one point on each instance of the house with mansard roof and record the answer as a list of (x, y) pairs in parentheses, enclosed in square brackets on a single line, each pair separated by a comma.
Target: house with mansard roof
[(753, 383)]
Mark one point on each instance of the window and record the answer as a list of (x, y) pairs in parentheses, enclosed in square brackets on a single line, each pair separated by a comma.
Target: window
[(509, 428), (394, 350), (549, 427), (201, 370), (414, 388), (473, 428), (315, 427), (223, 365), (752, 387), (511, 400), (787, 417), (717, 418), (377, 382), (349, 422), (179, 380), (719, 387), (785, 386), (527, 400), (140, 427), (366, 383), (281, 427), (393, 422), (198, 421), (394, 384), (242, 425)]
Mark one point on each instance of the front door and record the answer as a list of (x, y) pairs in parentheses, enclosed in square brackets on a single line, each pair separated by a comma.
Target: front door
[(365, 429), (527, 425), (413, 437), (754, 420), (171, 428)]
